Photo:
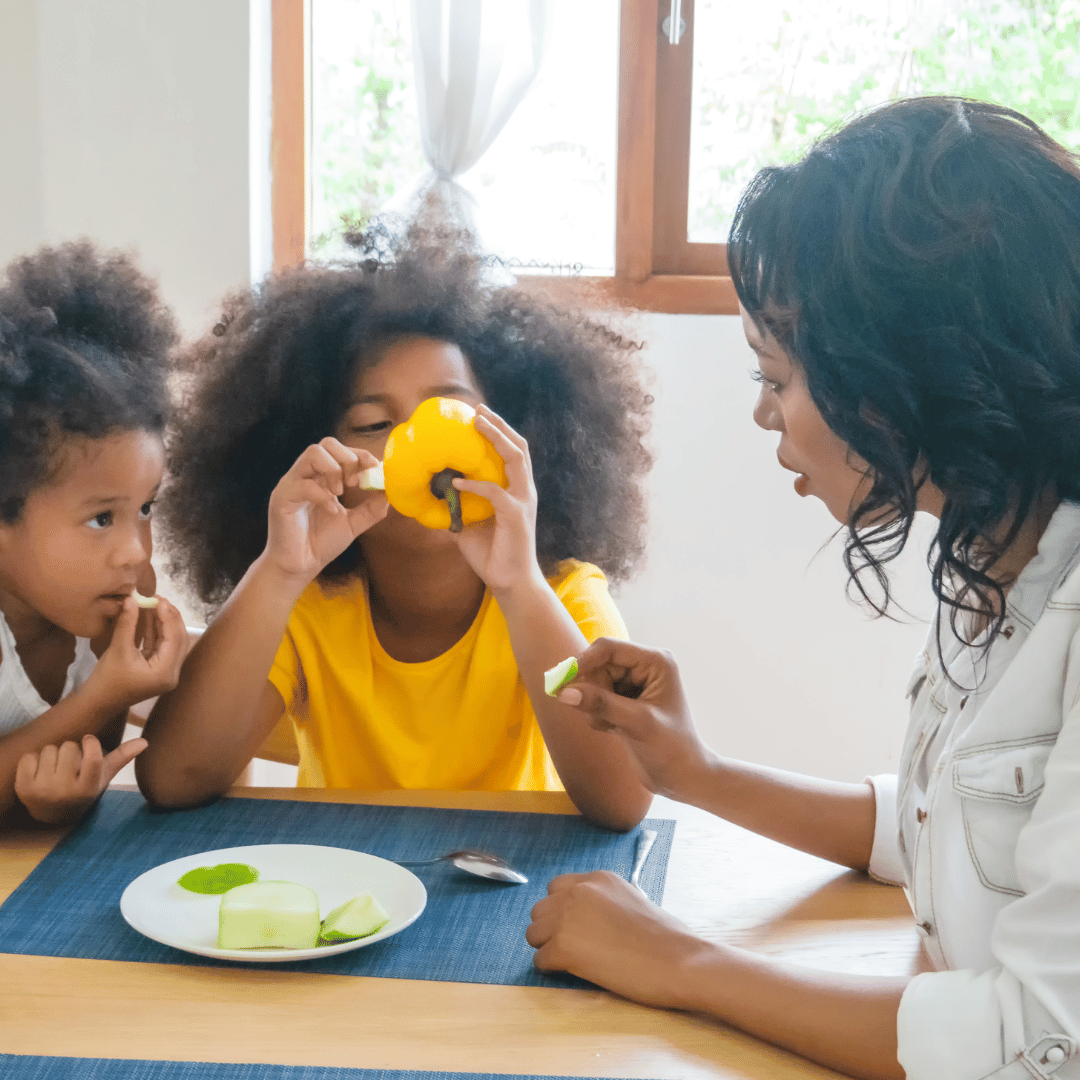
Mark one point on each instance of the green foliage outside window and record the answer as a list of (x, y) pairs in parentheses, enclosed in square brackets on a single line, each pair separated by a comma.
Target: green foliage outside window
[(801, 69), (366, 135)]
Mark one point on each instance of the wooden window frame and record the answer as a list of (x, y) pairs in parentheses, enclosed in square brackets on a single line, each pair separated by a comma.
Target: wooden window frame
[(656, 267)]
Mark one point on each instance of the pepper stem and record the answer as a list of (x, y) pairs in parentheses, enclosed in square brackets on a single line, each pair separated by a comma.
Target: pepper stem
[(442, 487)]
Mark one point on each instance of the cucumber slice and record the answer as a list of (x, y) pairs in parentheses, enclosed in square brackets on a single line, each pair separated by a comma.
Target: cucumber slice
[(359, 917), (557, 677)]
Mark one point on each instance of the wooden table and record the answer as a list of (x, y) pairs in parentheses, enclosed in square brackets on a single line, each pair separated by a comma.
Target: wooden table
[(725, 883)]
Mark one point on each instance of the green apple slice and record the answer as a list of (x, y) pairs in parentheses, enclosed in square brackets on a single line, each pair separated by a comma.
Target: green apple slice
[(557, 677), (359, 917), (269, 914), (372, 479)]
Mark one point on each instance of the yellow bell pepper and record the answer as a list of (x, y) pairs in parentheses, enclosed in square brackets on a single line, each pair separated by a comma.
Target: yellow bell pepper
[(422, 457)]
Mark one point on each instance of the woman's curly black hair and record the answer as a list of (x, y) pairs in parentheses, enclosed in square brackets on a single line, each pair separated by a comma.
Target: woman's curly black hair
[(85, 342), (922, 265), (274, 376)]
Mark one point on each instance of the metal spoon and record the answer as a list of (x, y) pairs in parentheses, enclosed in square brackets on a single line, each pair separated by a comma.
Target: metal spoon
[(475, 862), (644, 845)]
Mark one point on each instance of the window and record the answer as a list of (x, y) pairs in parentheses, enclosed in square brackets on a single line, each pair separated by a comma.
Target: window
[(542, 195), (700, 107)]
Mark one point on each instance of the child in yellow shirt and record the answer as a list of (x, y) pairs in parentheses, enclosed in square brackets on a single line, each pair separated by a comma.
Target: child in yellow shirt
[(406, 656)]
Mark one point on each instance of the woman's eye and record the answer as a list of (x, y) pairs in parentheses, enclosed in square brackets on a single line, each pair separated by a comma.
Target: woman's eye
[(101, 521), (759, 377), (372, 429), (147, 509)]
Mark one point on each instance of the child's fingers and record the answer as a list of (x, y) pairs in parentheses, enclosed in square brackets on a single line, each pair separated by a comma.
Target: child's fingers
[(368, 512), (69, 758), (89, 773), (148, 632), (26, 772), (499, 497), (364, 461), (46, 761), (342, 454), (172, 637), (124, 628), (345, 458), (488, 416), (318, 464), (314, 493), (514, 451), (114, 762)]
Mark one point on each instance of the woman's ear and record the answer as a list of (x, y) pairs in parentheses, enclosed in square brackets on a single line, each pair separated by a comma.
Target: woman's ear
[(928, 496)]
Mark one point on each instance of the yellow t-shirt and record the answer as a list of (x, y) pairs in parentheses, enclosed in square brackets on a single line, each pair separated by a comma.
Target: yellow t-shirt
[(461, 721)]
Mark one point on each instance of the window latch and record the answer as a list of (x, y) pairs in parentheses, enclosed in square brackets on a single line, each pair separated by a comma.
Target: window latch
[(674, 25)]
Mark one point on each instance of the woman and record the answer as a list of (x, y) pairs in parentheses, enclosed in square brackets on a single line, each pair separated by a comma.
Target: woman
[(912, 291)]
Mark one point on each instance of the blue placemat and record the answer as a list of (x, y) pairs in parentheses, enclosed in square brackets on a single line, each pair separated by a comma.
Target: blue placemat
[(471, 930), (18, 1067)]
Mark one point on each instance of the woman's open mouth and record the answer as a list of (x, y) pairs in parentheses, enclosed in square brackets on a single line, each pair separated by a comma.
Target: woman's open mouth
[(802, 481)]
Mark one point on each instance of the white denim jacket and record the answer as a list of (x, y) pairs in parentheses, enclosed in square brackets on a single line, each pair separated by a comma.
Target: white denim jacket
[(982, 827)]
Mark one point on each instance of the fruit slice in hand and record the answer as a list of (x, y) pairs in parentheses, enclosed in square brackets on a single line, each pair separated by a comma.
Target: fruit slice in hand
[(218, 879), (145, 601), (560, 675), (372, 479), (359, 917), (269, 914)]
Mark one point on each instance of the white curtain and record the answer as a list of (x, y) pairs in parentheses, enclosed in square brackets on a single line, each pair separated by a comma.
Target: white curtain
[(474, 61)]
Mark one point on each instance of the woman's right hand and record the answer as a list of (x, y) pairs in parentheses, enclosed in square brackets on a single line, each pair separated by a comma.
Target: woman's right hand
[(308, 525), (637, 692)]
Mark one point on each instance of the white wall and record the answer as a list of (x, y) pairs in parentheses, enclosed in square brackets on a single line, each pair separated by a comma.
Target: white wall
[(127, 121), (20, 134), (779, 666)]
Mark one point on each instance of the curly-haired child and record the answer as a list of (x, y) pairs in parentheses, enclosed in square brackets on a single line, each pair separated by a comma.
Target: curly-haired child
[(84, 345), (407, 657)]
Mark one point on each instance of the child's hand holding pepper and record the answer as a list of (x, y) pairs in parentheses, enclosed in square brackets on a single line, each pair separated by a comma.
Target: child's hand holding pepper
[(502, 549)]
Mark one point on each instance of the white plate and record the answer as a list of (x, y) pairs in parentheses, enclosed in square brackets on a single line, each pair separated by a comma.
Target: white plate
[(156, 906)]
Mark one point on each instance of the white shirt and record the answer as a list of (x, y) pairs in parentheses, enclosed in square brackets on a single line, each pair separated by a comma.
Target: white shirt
[(19, 700), (982, 827)]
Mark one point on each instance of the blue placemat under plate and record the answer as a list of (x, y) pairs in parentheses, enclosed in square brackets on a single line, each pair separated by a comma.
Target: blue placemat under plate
[(19, 1067), (471, 931)]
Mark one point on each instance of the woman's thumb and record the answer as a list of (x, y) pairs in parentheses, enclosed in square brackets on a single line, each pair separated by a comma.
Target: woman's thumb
[(604, 708)]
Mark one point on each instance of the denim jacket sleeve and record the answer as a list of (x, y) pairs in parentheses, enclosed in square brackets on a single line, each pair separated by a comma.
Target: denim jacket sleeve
[(885, 863)]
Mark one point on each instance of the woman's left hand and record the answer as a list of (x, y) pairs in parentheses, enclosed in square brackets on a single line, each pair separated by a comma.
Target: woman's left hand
[(599, 927), (502, 550)]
